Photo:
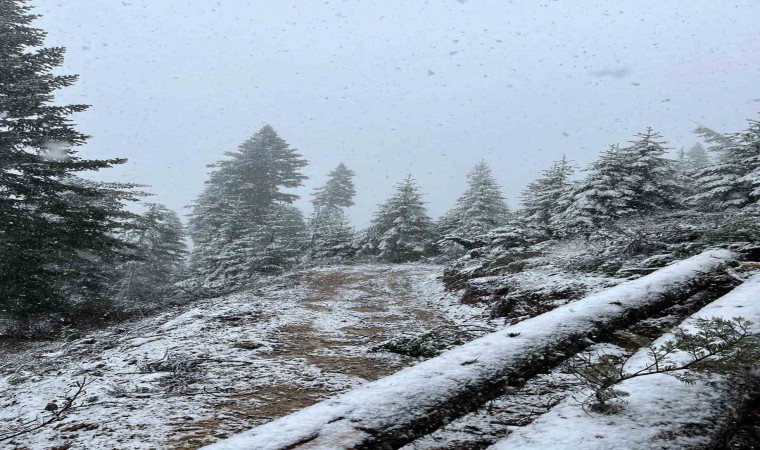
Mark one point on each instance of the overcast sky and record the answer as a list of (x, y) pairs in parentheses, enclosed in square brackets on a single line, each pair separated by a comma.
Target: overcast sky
[(391, 87)]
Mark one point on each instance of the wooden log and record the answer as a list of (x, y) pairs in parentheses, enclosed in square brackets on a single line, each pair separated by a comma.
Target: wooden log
[(467, 244), (392, 411), (640, 270)]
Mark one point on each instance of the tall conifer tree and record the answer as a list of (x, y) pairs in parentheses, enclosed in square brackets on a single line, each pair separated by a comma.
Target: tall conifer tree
[(481, 208), (57, 231), (338, 191), (243, 204), (401, 229), (158, 239), (330, 233), (624, 182), (542, 199), (733, 181)]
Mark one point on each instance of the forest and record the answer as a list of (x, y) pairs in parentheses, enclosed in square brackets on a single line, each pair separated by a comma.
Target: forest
[(663, 231)]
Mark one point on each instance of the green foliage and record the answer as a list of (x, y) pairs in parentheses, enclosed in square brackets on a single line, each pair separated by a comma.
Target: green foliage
[(733, 230), (330, 234), (159, 249), (716, 345), (242, 223), (401, 230), (58, 232), (623, 182), (713, 345), (733, 181), (544, 198), (338, 191), (480, 209)]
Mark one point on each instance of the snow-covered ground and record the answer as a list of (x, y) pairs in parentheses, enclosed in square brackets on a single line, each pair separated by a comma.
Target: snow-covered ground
[(192, 376), (398, 402), (195, 375), (660, 411)]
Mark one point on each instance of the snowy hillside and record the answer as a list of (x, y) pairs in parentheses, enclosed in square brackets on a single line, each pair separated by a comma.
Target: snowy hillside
[(378, 226), (200, 373)]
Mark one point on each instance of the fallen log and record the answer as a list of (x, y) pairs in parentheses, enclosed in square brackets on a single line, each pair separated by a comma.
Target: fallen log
[(392, 411), (467, 244), (659, 410), (640, 270)]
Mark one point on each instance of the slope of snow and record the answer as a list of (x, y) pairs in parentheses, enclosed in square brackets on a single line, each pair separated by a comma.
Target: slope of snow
[(189, 377), (661, 412), (417, 392)]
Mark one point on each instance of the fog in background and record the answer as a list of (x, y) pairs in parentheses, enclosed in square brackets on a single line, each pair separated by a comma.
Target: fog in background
[(391, 87)]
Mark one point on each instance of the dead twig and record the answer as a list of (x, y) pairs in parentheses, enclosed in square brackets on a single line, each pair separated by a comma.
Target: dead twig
[(57, 413)]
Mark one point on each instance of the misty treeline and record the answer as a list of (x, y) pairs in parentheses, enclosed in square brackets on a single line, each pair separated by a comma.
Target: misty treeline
[(71, 247)]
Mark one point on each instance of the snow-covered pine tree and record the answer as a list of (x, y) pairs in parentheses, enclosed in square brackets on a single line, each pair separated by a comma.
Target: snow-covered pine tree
[(690, 162), (401, 228), (330, 233), (632, 181), (733, 180), (653, 182), (597, 200), (158, 239), (481, 208), (542, 199), (696, 157), (232, 219), (243, 249), (338, 191), (57, 232), (284, 236)]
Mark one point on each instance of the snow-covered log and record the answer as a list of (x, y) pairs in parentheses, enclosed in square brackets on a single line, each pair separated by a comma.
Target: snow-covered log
[(661, 411), (467, 244), (394, 410)]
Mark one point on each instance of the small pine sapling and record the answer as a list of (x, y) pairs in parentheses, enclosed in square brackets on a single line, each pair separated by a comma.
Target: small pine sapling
[(713, 345)]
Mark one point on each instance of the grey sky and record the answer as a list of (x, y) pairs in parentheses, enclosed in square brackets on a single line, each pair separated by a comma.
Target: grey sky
[(391, 87)]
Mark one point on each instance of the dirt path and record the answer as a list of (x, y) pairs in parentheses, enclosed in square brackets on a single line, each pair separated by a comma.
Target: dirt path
[(184, 379)]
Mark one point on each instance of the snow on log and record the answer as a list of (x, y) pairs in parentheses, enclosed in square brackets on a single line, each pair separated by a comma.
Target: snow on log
[(467, 244), (394, 410), (661, 411)]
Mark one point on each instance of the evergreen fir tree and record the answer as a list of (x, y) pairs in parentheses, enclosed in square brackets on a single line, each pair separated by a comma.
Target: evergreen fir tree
[(338, 191), (269, 247), (733, 181), (481, 208), (283, 236), (597, 200), (57, 231), (542, 199), (401, 230), (636, 180), (243, 207), (652, 183), (696, 157), (330, 233), (689, 163), (158, 239)]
